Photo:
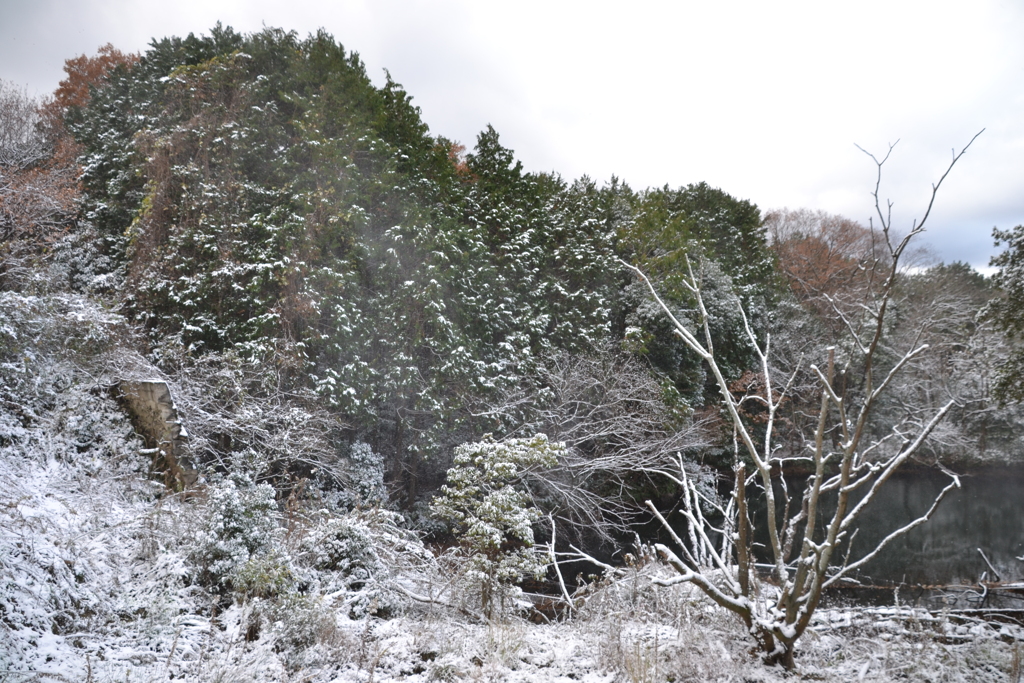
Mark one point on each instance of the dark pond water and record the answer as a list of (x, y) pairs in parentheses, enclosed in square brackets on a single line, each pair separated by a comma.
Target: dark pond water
[(935, 565), (986, 513)]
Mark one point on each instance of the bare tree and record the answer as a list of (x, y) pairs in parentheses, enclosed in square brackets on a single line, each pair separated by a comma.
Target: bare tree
[(38, 185), (21, 141), (847, 458)]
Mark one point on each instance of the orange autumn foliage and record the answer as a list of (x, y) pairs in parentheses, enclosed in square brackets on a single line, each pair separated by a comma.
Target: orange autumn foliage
[(83, 72), (832, 264), (823, 254)]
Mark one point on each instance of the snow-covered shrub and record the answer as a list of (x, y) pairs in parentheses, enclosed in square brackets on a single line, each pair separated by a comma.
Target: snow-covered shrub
[(54, 414), (353, 557), (342, 546), (241, 527), (266, 575), (306, 632), (54, 402), (486, 501), (88, 551), (367, 473)]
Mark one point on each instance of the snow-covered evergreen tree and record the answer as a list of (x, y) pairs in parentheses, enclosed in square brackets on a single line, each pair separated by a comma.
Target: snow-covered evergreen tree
[(492, 512)]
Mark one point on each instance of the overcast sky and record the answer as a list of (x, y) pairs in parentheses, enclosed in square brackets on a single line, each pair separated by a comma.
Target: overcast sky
[(763, 99)]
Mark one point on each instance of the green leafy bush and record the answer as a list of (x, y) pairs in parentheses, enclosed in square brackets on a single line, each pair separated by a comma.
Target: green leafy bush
[(268, 575)]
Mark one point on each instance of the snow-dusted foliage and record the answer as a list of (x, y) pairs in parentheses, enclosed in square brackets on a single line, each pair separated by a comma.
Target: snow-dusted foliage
[(38, 188), (99, 570), (103, 571), (366, 472), (50, 404), (82, 548), (493, 515), (82, 537), (94, 583), (339, 545), (359, 556), (1005, 311), (239, 535)]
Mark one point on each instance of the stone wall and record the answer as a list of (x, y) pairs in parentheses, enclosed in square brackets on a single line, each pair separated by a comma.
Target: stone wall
[(155, 417)]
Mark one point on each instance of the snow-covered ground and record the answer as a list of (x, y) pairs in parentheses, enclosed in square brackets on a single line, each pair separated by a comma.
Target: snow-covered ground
[(96, 587)]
